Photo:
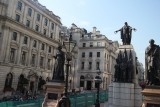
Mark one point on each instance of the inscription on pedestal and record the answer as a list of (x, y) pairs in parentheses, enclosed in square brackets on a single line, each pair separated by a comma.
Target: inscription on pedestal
[(52, 96)]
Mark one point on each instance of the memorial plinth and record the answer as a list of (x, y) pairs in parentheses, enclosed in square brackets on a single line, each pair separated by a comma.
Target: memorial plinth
[(54, 92), (151, 96)]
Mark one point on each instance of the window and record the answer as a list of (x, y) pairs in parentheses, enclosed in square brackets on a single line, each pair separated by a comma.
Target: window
[(17, 17), (25, 40), (42, 47), (84, 44), (12, 55), (90, 66), (82, 65), (91, 44), (8, 81), (14, 36), (90, 54), (29, 11), (98, 54), (51, 36), (82, 81), (41, 61), (83, 54), (38, 17), (49, 50), (23, 58), (49, 63), (33, 59), (37, 28), (98, 44), (44, 31), (19, 5), (46, 22), (34, 43), (97, 65), (52, 26), (27, 23)]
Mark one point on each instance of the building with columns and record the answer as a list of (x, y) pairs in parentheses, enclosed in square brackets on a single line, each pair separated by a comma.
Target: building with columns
[(29, 36), (95, 52)]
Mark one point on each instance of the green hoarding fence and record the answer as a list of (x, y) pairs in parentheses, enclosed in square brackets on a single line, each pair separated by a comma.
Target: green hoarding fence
[(25, 103), (77, 100), (87, 98)]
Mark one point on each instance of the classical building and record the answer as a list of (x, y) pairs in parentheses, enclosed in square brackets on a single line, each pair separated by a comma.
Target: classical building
[(96, 53), (140, 72), (29, 36)]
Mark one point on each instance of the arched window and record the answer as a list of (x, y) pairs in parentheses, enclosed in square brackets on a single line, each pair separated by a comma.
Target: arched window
[(41, 83), (22, 81), (8, 82), (82, 81)]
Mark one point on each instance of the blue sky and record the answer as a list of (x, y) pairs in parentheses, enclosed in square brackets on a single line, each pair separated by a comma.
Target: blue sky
[(110, 15)]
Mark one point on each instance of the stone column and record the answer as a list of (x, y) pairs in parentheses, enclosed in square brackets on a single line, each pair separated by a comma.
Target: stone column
[(46, 57), (7, 39), (42, 24), (29, 52), (38, 55), (20, 48)]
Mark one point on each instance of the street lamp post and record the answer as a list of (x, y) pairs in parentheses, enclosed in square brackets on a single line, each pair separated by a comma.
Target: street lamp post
[(69, 46), (98, 80)]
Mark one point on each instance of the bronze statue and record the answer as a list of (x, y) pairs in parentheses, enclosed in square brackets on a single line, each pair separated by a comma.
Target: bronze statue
[(152, 63), (126, 33), (58, 73), (124, 67), (129, 74)]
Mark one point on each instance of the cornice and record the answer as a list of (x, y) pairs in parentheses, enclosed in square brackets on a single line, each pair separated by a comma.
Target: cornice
[(5, 18), (45, 10)]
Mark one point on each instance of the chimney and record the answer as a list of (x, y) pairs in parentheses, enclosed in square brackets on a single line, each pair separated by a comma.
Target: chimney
[(94, 30), (98, 32)]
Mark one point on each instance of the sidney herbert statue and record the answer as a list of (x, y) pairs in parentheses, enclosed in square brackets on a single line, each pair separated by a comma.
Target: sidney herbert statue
[(58, 73), (126, 33), (152, 63)]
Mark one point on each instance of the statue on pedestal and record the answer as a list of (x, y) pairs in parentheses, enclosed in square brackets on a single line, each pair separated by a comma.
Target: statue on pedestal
[(126, 33), (152, 63), (58, 74)]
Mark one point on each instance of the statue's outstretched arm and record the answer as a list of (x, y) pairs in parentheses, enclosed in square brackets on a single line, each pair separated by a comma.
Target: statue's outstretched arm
[(117, 31), (134, 29)]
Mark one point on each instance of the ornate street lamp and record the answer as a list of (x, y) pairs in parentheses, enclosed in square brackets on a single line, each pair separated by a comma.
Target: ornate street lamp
[(69, 46), (98, 80)]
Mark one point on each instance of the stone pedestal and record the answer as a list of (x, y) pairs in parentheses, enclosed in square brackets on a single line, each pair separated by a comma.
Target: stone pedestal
[(124, 95), (54, 92), (151, 96)]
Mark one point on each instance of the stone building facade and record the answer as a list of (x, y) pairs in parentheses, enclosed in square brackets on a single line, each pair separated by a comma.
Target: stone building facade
[(29, 36), (95, 52)]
